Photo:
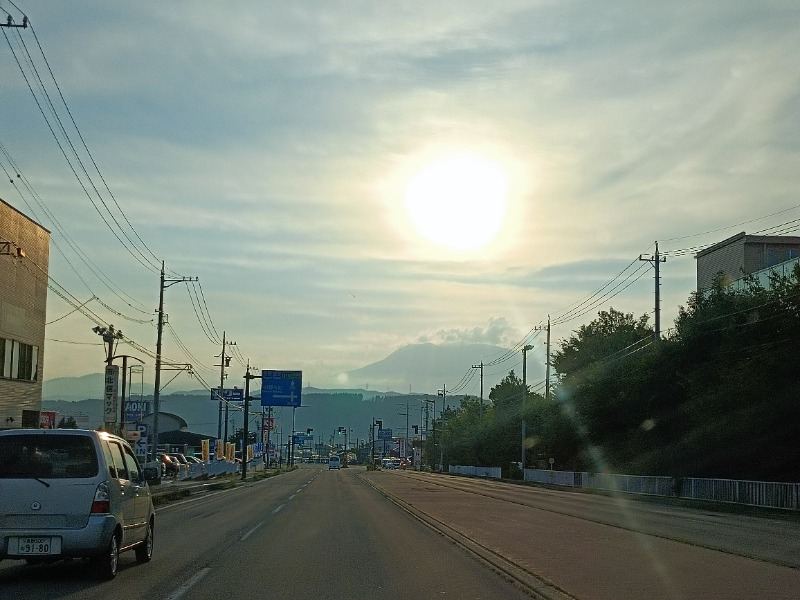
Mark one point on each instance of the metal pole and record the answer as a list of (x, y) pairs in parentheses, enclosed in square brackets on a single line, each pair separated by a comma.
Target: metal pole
[(547, 364), (122, 400), (524, 402), (157, 386), (246, 430)]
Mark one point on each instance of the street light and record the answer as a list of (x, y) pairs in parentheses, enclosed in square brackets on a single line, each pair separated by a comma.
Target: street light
[(124, 358)]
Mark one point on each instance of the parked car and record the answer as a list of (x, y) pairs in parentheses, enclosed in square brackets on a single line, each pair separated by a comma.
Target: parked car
[(72, 493), (181, 460), (169, 465)]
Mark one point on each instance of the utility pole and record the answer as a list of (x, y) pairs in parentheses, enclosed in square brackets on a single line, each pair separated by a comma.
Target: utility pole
[(10, 22), (656, 261), (225, 361), (480, 366), (165, 283), (547, 364), (524, 401), (110, 337), (246, 431), (443, 394), (379, 423)]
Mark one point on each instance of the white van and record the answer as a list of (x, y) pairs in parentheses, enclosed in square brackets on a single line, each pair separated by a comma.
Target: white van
[(334, 462)]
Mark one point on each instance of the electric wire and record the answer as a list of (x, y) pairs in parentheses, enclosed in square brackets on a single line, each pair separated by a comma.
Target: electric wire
[(144, 260), (93, 268)]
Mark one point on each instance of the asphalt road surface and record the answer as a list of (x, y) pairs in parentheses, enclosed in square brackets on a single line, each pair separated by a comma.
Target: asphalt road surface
[(311, 533), (352, 534)]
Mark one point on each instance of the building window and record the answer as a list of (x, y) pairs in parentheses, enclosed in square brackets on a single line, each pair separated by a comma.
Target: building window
[(18, 360)]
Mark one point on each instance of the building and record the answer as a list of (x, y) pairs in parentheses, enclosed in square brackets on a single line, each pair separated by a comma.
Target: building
[(24, 260), (743, 255)]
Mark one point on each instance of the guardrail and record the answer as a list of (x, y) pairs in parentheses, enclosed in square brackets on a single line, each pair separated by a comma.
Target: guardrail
[(488, 472), (765, 494)]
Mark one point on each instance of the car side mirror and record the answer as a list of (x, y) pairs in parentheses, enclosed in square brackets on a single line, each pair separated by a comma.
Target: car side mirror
[(152, 475)]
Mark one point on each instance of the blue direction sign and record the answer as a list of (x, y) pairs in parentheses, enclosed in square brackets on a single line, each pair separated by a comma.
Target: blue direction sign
[(229, 395), (281, 388)]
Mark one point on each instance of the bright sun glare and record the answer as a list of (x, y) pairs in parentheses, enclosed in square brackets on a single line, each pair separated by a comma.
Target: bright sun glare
[(458, 202)]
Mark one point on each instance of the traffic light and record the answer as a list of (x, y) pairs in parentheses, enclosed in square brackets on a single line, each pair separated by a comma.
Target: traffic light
[(416, 429)]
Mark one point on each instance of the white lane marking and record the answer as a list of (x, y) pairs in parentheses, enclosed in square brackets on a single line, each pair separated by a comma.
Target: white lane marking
[(277, 510), (292, 496), (181, 591), (251, 532)]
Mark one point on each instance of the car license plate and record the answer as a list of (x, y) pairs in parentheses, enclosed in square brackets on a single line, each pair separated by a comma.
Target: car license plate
[(34, 546)]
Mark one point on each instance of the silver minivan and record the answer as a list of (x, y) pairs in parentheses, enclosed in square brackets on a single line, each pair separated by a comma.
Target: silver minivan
[(72, 493)]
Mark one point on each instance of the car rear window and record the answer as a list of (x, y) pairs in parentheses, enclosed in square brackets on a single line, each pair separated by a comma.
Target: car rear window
[(51, 456)]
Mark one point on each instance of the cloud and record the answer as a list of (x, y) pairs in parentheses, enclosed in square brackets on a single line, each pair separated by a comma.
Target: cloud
[(498, 332)]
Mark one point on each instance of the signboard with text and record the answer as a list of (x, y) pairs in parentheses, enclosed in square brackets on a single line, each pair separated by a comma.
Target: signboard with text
[(47, 419), (281, 388), (110, 393), (140, 447), (385, 434), (229, 395), (135, 410)]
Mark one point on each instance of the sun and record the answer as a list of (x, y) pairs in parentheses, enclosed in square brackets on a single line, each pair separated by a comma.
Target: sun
[(458, 202)]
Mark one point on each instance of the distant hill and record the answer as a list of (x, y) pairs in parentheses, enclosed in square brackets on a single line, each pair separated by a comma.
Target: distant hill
[(418, 368), (91, 386), (324, 411)]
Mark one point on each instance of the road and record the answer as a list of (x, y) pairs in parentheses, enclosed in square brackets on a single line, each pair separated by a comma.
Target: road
[(311, 533), (353, 534)]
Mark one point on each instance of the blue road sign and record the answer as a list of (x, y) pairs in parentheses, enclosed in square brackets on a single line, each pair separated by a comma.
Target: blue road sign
[(281, 388), (135, 410), (385, 434)]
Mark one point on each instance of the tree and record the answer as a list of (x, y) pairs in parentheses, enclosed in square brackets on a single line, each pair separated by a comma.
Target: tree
[(610, 333), (67, 423)]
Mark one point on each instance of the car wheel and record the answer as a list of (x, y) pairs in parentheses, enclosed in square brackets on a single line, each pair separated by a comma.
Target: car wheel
[(107, 562), (144, 551)]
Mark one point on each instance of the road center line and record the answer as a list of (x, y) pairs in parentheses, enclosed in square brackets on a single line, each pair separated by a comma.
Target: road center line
[(277, 509), (181, 591), (251, 532)]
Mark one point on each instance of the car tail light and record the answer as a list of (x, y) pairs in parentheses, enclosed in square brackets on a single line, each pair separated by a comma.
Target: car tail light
[(102, 501)]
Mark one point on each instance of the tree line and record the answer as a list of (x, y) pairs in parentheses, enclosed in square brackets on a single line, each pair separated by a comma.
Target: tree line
[(718, 396)]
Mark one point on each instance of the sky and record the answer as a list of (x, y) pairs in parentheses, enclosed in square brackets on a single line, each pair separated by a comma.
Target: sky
[(347, 178)]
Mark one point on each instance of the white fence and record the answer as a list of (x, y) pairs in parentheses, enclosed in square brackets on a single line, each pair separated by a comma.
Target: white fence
[(751, 493)]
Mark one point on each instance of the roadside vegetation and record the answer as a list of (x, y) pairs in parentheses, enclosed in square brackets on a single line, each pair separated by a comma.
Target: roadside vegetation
[(717, 396)]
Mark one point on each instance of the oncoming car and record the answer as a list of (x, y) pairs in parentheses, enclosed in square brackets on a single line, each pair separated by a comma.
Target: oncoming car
[(71, 493)]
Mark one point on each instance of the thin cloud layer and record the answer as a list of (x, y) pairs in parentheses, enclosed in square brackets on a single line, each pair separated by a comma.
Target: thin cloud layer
[(266, 150)]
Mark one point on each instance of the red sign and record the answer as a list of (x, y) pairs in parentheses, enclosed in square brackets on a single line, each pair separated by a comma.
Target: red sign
[(269, 424)]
